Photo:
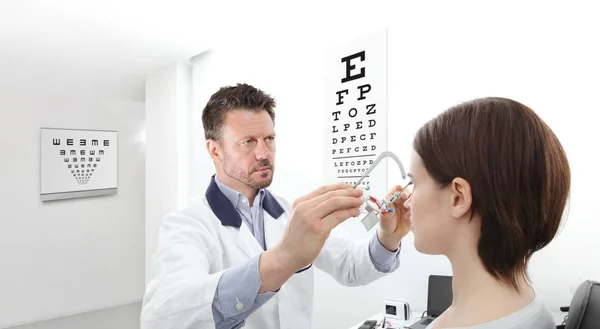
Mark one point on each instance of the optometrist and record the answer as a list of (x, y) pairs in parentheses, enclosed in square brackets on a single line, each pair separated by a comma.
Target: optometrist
[(244, 257)]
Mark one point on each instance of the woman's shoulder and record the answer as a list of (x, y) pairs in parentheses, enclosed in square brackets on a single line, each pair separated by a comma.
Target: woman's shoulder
[(533, 316)]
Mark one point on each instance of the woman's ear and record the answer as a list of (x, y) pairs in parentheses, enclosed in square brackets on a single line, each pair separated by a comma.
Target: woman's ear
[(462, 198)]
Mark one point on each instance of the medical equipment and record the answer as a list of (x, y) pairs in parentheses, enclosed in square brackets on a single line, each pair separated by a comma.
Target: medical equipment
[(369, 324), (372, 206), (397, 310)]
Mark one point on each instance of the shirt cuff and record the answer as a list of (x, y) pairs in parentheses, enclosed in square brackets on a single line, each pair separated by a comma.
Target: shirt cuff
[(383, 259), (237, 292)]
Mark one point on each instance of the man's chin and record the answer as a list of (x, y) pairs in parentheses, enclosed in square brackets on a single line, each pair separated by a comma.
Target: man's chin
[(260, 179), (264, 181)]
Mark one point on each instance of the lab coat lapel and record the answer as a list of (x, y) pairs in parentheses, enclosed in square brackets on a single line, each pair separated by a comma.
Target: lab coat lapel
[(275, 226), (275, 219), (247, 242), (231, 220), (274, 229)]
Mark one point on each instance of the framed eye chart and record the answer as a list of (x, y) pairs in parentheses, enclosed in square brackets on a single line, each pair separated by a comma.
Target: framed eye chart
[(356, 112), (77, 163)]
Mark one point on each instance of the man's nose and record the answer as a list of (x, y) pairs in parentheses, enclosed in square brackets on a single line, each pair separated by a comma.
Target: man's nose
[(261, 151)]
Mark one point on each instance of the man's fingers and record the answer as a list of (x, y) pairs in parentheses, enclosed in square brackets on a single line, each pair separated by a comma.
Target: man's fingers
[(337, 217), (343, 192), (403, 197), (397, 188), (326, 204), (356, 193), (323, 190), (393, 190)]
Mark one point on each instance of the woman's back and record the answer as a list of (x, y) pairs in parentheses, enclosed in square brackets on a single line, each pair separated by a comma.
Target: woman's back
[(533, 316)]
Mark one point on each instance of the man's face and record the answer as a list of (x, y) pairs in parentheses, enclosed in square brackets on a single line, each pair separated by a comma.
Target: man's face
[(248, 148)]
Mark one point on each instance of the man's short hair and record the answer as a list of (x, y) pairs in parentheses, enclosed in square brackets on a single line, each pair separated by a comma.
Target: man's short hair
[(229, 98)]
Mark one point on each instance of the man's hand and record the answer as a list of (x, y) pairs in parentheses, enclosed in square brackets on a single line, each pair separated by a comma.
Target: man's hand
[(394, 226), (313, 217)]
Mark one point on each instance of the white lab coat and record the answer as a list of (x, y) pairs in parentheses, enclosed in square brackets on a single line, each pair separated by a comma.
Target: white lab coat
[(195, 248)]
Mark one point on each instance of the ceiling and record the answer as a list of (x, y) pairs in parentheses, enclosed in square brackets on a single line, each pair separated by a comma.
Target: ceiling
[(105, 43), (113, 45)]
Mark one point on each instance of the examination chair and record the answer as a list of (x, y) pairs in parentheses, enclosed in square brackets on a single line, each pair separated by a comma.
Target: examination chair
[(584, 311)]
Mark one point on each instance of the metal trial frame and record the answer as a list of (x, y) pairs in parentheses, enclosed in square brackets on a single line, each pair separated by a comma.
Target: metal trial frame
[(373, 206)]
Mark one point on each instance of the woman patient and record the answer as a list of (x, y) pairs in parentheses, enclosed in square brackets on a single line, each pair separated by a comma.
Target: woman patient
[(491, 181)]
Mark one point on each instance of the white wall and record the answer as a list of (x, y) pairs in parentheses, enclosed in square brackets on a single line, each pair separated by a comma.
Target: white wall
[(168, 99), (65, 257), (543, 56)]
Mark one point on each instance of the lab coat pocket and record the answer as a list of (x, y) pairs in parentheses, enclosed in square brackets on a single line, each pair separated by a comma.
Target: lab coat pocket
[(296, 299), (302, 286), (149, 310)]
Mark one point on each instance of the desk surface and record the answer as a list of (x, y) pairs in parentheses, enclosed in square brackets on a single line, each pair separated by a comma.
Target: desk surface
[(415, 316)]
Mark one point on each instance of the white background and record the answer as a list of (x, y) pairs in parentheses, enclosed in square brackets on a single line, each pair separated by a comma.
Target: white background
[(544, 55), (57, 177)]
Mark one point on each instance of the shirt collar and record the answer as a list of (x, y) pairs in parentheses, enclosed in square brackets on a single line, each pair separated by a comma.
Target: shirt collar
[(236, 197), (224, 208)]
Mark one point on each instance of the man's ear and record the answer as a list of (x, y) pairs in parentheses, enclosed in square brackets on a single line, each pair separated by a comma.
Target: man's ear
[(462, 198), (214, 150)]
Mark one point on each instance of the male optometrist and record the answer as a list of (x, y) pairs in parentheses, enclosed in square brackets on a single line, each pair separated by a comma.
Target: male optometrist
[(244, 257)]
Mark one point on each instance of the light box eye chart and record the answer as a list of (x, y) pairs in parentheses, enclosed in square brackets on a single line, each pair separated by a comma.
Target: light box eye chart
[(356, 111), (77, 163)]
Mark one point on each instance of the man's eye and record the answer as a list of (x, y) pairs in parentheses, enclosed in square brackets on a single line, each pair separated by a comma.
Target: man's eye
[(248, 142), (270, 139)]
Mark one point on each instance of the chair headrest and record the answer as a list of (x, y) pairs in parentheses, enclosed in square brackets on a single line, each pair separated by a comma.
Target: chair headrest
[(584, 311)]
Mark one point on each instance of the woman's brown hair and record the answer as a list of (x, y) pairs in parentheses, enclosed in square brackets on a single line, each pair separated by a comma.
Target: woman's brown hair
[(518, 172)]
